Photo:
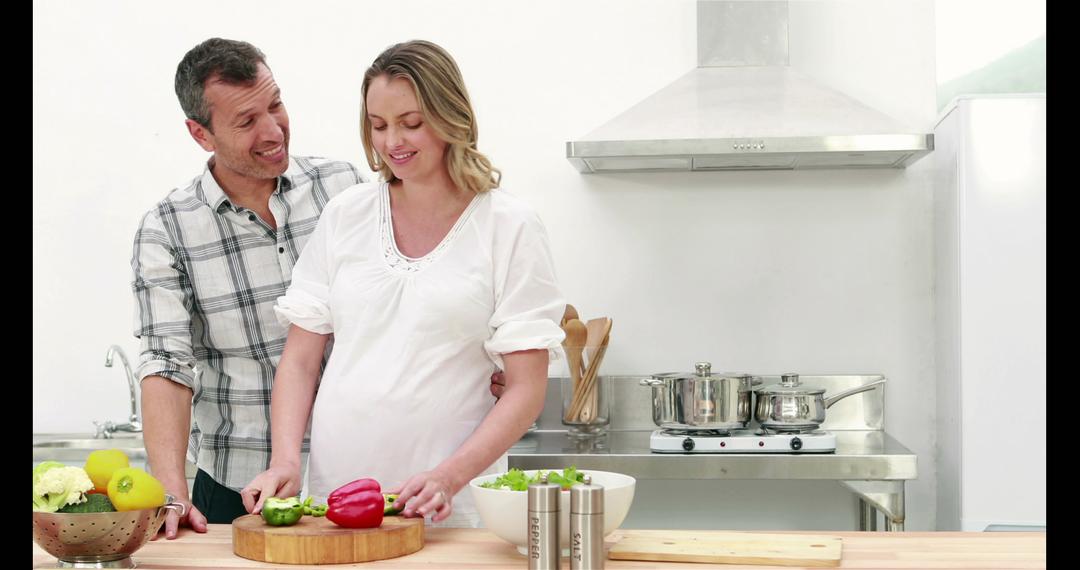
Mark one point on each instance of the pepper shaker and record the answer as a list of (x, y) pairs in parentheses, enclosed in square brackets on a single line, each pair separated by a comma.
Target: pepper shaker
[(587, 526), (543, 525)]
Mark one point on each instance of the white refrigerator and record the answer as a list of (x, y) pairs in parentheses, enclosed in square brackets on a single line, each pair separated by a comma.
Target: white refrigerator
[(990, 317)]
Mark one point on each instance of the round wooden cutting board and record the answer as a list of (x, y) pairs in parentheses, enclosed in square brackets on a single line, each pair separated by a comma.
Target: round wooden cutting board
[(315, 540)]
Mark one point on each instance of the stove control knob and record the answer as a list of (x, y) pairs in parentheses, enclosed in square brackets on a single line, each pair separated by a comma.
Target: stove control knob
[(796, 443), (688, 444)]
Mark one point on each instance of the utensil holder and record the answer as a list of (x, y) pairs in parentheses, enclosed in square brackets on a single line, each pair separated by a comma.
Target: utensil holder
[(594, 416)]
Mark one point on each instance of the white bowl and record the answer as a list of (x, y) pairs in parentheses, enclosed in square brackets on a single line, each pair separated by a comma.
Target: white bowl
[(505, 512)]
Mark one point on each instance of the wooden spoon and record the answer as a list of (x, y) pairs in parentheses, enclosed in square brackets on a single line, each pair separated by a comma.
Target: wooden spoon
[(599, 330), (569, 313), (576, 335)]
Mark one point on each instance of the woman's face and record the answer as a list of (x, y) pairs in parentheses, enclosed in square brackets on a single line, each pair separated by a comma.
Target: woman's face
[(400, 133)]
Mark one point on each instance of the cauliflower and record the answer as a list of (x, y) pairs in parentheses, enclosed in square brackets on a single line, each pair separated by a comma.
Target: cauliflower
[(57, 485)]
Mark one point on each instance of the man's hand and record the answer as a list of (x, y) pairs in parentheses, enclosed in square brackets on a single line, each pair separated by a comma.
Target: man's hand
[(192, 518), (498, 384), (277, 481)]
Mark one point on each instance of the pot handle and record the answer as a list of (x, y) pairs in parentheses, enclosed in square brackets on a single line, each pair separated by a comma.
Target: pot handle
[(864, 388), (651, 382), (756, 381)]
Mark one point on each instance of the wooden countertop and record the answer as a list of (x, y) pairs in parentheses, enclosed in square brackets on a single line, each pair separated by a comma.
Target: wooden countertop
[(479, 549)]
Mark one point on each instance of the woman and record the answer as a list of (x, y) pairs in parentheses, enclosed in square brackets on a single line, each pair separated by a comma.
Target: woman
[(427, 282)]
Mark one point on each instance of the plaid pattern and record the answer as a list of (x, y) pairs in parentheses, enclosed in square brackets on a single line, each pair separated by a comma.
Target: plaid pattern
[(206, 277)]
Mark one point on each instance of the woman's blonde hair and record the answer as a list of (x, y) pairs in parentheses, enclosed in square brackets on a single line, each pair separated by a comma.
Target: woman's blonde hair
[(444, 102)]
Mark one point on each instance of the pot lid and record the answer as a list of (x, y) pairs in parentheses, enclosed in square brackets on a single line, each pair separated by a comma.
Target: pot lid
[(701, 370), (790, 385)]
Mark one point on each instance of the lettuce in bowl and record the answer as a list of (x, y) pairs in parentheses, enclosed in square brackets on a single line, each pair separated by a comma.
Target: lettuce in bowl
[(518, 480)]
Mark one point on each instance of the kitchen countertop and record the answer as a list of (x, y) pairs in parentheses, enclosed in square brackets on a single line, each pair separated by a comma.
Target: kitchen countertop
[(860, 455), (477, 548)]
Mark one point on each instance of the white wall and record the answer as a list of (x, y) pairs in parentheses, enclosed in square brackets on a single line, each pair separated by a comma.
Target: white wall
[(818, 272)]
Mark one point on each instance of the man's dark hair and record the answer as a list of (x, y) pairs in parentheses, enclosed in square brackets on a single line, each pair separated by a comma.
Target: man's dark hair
[(233, 62)]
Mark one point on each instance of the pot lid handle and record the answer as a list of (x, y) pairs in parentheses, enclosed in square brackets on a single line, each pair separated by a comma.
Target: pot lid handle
[(703, 368), (789, 380)]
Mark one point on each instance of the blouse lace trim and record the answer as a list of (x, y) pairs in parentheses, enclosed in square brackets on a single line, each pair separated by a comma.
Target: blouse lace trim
[(399, 261)]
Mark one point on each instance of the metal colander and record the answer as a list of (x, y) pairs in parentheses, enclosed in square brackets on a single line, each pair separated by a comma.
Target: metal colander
[(102, 540)]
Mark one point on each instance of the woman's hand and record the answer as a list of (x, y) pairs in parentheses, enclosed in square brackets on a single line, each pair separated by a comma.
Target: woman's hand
[(277, 481), (425, 493)]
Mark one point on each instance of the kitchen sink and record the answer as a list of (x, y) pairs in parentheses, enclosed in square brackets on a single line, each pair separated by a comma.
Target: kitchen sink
[(76, 448), (93, 444)]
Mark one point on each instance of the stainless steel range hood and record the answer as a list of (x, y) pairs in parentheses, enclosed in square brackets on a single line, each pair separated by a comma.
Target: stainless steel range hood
[(743, 108)]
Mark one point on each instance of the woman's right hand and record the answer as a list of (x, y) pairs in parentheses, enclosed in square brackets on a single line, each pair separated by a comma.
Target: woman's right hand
[(277, 481)]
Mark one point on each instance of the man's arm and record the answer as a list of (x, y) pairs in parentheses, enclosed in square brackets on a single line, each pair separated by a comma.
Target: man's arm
[(162, 300), (166, 408)]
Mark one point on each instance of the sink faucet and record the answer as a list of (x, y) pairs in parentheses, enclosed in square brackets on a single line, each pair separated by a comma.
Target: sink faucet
[(107, 429)]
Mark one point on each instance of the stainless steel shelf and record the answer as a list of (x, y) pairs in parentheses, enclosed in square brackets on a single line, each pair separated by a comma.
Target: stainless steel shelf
[(860, 455)]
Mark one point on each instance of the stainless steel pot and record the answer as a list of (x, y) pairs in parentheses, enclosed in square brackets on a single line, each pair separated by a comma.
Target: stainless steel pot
[(701, 400), (790, 406)]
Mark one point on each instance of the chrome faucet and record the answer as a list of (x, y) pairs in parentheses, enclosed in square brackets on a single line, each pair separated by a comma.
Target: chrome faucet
[(107, 429)]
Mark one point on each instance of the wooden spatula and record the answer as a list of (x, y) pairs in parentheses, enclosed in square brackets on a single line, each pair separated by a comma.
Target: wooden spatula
[(592, 388)]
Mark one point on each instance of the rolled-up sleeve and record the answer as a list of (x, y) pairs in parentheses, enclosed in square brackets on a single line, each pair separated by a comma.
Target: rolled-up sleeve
[(528, 304), (163, 303), (306, 303)]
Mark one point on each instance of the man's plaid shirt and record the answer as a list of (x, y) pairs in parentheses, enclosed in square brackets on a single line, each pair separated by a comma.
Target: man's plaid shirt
[(206, 277)]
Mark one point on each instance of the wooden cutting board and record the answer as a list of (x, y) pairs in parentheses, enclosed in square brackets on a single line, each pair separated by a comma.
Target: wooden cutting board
[(728, 548), (315, 540)]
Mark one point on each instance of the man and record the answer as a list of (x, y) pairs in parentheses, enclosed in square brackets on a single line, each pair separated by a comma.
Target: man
[(209, 262)]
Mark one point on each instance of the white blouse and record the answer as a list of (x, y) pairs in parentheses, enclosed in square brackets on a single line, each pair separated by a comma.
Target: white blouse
[(416, 340)]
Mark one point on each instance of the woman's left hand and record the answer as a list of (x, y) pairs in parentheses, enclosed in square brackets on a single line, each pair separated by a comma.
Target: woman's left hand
[(426, 493)]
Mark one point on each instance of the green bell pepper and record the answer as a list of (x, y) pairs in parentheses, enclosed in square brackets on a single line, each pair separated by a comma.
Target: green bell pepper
[(315, 511), (282, 512), (388, 505)]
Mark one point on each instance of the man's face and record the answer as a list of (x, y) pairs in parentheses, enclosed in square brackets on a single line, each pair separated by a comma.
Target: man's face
[(250, 136)]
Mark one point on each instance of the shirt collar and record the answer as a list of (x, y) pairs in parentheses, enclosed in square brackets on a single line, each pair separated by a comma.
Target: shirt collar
[(216, 198)]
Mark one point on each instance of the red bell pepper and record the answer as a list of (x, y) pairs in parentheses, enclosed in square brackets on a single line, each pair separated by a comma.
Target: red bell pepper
[(358, 504)]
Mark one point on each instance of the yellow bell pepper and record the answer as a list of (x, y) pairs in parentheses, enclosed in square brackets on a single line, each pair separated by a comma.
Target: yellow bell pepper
[(132, 489), (100, 466)]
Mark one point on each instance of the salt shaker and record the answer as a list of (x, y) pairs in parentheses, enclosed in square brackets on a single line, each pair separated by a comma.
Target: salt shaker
[(543, 525), (587, 526)]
